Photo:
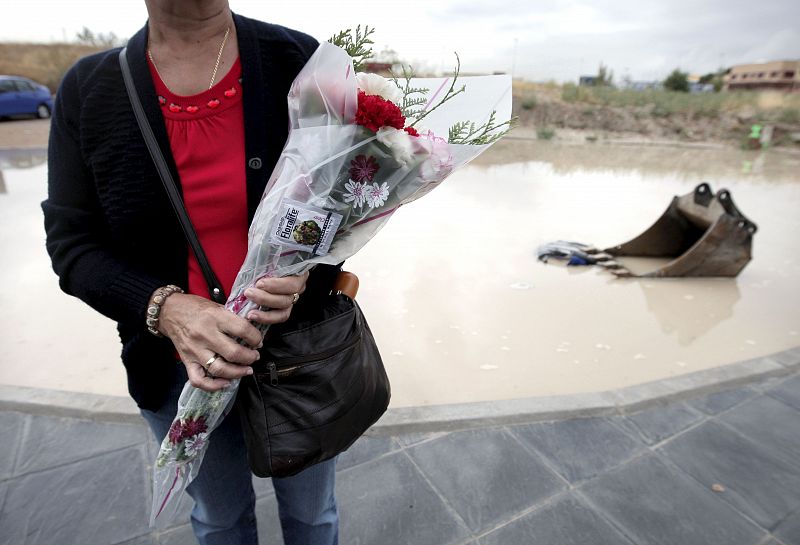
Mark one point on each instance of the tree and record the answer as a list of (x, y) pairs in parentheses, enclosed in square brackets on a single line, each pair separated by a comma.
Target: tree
[(707, 78), (87, 37), (715, 78), (605, 77), (387, 55), (677, 81)]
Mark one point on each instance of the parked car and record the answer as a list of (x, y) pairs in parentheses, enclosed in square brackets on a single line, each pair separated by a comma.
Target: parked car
[(21, 96)]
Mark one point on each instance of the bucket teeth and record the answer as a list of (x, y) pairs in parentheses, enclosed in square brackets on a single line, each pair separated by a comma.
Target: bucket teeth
[(622, 273)]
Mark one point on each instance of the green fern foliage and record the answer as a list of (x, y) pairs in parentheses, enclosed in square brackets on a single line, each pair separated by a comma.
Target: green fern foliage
[(357, 43), (413, 97)]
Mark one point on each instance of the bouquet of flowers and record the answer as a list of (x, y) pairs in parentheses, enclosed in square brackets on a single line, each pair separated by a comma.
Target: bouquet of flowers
[(356, 152)]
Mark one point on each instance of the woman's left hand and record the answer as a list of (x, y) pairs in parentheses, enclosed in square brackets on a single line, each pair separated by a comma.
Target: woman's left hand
[(277, 295)]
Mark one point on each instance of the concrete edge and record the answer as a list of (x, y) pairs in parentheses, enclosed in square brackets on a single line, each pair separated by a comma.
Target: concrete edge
[(612, 402), (458, 416), (70, 404)]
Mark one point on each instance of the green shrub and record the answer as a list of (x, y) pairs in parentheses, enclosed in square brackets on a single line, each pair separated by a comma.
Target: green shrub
[(545, 133), (569, 93), (790, 115), (677, 81)]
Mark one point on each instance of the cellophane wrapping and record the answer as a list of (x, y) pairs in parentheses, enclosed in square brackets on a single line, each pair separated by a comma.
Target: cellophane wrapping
[(335, 173)]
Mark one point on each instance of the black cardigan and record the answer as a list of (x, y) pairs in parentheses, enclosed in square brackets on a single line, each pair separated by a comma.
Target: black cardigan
[(111, 232)]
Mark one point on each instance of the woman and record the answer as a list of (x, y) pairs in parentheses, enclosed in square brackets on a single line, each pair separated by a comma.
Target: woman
[(213, 86)]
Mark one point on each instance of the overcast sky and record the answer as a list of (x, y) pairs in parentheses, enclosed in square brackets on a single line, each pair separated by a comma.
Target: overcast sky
[(553, 39)]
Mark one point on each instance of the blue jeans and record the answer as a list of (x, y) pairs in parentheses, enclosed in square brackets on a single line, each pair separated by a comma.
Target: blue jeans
[(224, 510)]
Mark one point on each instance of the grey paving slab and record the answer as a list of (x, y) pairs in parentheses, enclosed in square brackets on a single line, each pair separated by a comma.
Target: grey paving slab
[(789, 358), (269, 524), (770, 422), (787, 391), (3, 492), (388, 501), (770, 382), (565, 521), (658, 423), (366, 448), (181, 535), (642, 395), (757, 482), (149, 539), (788, 530), (153, 447), (410, 439), (486, 475), (654, 504), (580, 448), (51, 441), (11, 428), (90, 502), (721, 401)]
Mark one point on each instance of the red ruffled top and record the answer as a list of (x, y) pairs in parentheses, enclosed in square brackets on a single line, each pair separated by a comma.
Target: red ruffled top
[(206, 134)]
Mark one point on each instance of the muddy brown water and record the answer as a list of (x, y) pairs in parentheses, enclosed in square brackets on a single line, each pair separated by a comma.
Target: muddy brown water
[(452, 289)]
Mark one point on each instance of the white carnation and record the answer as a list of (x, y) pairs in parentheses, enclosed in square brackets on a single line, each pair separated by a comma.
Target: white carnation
[(399, 144), (373, 84)]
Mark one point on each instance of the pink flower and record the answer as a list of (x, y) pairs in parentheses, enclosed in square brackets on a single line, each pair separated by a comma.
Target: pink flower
[(363, 168), (440, 163)]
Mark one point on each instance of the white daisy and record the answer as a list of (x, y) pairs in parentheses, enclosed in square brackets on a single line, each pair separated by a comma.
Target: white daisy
[(356, 193), (377, 194), (195, 444)]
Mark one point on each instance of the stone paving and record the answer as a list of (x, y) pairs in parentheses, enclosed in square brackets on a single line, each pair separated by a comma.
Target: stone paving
[(718, 469)]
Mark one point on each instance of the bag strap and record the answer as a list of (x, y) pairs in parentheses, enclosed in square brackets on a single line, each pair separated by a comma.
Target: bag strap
[(214, 287)]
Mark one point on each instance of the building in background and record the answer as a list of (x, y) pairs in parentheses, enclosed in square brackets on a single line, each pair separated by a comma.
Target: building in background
[(778, 75), (382, 68)]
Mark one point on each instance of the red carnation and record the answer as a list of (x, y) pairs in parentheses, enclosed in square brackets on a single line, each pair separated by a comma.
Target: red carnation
[(375, 112), (194, 427), (412, 131), (175, 432)]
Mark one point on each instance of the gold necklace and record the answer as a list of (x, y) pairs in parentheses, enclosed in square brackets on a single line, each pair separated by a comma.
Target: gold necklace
[(216, 64)]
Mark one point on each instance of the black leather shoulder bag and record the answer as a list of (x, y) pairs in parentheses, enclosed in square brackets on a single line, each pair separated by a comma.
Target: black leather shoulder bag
[(320, 382)]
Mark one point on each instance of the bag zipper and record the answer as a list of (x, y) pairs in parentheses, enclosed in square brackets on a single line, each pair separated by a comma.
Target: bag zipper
[(302, 361)]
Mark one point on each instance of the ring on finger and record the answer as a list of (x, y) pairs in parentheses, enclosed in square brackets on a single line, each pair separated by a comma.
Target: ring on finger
[(295, 298), (211, 360)]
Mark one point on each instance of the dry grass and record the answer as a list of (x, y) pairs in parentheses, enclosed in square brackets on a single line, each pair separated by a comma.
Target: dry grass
[(45, 63), (768, 105)]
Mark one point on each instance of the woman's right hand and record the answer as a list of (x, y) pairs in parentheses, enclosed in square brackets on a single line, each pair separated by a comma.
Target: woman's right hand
[(199, 329)]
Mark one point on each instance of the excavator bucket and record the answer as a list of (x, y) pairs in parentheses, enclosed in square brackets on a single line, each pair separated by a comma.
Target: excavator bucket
[(703, 233)]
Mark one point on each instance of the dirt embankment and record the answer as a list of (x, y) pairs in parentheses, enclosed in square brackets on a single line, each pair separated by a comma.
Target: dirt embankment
[(659, 115), (45, 63)]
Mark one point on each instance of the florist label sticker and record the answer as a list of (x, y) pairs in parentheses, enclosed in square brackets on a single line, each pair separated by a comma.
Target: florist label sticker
[(304, 227)]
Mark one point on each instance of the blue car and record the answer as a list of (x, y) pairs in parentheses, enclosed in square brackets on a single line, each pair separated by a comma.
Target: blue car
[(21, 96)]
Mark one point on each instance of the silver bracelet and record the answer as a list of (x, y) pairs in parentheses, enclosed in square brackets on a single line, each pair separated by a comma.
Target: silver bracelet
[(154, 310)]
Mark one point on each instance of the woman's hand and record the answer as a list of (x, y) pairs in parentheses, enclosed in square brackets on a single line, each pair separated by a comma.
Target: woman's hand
[(277, 295), (199, 329)]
